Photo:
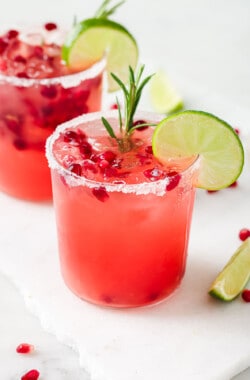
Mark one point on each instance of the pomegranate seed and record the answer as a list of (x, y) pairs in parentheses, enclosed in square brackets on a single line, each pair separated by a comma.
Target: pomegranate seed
[(33, 374), (49, 92), (154, 174), (212, 191), (13, 122), (114, 106), (173, 181), (88, 165), (24, 348), (22, 74), (20, 144), (110, 172), (38, 52), (108, 155), (246, 295), (50, 26), (237, 131), (244, 234), (12, 34), (145, 159), (3, 45), (20, 59), (101, 194), (85, 149), (75, 168), (103, 164), (149, 149), (138, 122), (234, 184), (70, 136)]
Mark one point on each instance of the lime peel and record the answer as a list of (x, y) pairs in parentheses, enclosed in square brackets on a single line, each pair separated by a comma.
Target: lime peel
[(235, 275)]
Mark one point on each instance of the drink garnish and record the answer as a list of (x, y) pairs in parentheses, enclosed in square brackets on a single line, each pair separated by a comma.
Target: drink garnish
[(233, 278), (197, 133), (132, 96), (92, 39)]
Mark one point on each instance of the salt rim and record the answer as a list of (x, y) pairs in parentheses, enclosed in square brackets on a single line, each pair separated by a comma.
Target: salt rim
[(66, 81), (157, 188)]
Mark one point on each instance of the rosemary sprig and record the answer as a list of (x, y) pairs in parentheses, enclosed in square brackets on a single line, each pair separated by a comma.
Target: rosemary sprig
[(132, 96), (104, 12)]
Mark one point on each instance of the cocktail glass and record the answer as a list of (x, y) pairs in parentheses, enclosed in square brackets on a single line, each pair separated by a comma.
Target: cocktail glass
[(123, 220), (33, 102)]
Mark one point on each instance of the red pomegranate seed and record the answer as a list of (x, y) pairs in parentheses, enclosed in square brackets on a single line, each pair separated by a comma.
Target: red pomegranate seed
[(70, 136), (138, 122), (173, 181), (149, 149), (24, 348), (244, 234), (237, 131), (38, 51), (13, 122), (20, 59), (75, 168), (33, 374), (49, 92), (234, 184), (85, 149), (145, 159), (50, 26), (12, 34), (114, 106), (110, 172), (3, 45), (108, 155), (246, 295), (101, 194), (20, 144), (103, 164), (212, 191), (22, 74), (154, 174)]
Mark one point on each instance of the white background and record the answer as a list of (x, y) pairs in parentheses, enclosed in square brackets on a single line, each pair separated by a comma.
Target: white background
[(202, 44)]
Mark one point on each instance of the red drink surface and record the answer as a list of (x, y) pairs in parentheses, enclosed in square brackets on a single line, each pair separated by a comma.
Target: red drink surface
[(122, 237), (37, 92)]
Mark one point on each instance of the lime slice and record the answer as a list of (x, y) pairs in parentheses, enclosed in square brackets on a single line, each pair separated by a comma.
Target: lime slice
[(233, 278), (164, 97), (196, 133), (92, 39)]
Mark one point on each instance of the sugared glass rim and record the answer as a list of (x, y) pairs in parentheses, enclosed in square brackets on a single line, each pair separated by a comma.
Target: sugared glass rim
[(66, 81), (73, 180)]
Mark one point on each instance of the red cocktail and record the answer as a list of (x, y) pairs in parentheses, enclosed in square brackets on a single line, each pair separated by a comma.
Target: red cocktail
[(37, 92), (123, 218)]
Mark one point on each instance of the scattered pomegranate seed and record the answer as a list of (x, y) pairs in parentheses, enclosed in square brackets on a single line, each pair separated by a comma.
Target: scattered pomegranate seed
[(234, 184), (246, 295), (101, 194), (13, 122), (12, 34), (237, 131), (38, 51), (138, 122), (114, 106), (50, 26), (85, 149), (24, 348), (33, 374), (103, 164), (70, 136), (49, 92), (212, 191), (174, 180), (244, 234), (108, 155), (75, 168)]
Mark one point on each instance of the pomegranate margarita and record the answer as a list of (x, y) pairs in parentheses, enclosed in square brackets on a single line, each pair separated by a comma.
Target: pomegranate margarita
[(123, 218), (37, 92)]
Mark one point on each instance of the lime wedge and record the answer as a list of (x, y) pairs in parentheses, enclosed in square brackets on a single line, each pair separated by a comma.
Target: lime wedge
[(233, 278), (164, 96), (196, 133), (92, 39)]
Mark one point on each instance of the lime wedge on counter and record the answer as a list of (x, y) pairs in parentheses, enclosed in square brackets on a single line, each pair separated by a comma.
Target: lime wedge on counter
[(92, 39), (233, 278), (164, 96), (197, 133)]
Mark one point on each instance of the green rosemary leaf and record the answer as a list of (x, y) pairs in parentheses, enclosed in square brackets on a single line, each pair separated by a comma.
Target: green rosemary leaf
[(121, 84), (104, 12), (108, 128), (141, 125), (119, 114)]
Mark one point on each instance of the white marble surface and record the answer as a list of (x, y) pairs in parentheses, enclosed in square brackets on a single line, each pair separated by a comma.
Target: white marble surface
[(204, 46)]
